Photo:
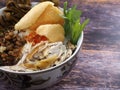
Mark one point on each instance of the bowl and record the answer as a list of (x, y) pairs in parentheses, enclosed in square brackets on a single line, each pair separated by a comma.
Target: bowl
[(42, 78)]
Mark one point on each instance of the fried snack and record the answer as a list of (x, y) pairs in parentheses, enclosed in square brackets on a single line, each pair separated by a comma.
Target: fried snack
[(54, 32), (14, 11), (43, 13)]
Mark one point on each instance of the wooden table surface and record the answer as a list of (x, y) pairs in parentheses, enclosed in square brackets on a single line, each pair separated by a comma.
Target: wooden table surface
[(98, 64)]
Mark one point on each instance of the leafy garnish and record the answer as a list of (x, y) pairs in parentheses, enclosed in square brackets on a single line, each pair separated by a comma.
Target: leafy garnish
[(73, 27)]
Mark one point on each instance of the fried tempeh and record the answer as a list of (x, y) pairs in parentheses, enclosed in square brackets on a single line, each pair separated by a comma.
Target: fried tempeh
[(15, 9)]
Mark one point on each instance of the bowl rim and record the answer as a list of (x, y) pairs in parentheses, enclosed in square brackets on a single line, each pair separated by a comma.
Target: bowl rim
[(79, 44)]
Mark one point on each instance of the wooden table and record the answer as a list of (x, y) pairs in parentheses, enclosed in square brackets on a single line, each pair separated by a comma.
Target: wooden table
[(98, 65)]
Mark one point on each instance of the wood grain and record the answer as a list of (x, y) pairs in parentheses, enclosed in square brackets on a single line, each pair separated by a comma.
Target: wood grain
[(98, 65)]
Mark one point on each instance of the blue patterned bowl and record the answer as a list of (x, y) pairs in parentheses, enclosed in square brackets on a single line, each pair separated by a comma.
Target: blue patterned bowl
[(39, 79)]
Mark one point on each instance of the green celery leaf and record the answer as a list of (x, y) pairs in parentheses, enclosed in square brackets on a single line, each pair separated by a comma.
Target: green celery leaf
[(72, 26)]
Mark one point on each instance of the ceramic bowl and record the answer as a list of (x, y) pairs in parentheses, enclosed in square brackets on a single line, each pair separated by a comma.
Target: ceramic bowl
[(40, 79), (43, 78)]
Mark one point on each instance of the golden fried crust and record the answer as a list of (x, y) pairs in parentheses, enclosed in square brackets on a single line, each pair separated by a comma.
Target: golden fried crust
[(54, 32), (51, 15), (43, 13), (32, 16)]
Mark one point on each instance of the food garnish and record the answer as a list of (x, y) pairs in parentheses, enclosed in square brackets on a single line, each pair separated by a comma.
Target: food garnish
[(50, 36), (40, 14), (35, 38), (14, 10), (73, 27)]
